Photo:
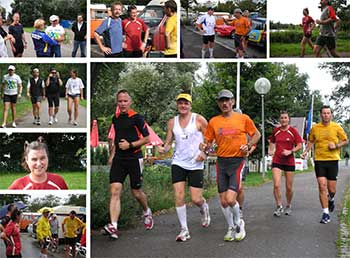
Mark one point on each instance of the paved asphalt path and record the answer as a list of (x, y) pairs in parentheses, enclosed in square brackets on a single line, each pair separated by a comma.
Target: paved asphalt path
[(298, 235), (27, 120), (224, 46)]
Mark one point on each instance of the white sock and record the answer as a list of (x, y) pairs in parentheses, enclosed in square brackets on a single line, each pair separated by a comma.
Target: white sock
[(147, 212), (182, 215), (115, 224), (211, 52), (204, 206), (235, 212), (203, 53), (325, 210), (228, 215)]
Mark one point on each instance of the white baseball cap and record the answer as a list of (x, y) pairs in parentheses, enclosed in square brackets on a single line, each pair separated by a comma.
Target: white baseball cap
[(11, 67), (36, 70), (54, 18)]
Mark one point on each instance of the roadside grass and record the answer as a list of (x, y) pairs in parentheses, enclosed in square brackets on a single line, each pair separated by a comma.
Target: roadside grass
[(293, 49), (28, 29), (343, 241), (23, 106), (74, 180), (159, 190), (83, 103)]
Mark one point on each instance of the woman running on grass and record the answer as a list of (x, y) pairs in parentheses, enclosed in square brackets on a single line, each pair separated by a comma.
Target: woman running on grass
[(308, 25)]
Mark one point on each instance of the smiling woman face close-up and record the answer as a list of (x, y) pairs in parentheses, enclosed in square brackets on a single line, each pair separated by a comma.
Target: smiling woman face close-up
[(37, 162)]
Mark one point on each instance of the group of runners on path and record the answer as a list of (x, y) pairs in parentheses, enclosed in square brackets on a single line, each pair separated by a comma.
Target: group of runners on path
[(236, 137), (39, 89)]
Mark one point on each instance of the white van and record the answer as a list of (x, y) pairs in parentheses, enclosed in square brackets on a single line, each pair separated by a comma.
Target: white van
[(63, 211)]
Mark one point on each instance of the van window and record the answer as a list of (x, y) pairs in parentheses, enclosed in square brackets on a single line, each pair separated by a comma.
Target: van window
[(152, 15), (99, 14)]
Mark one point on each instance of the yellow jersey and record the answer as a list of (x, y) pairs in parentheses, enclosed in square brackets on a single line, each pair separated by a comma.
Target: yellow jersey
[(71, 226), (171, 27), (321, 135)]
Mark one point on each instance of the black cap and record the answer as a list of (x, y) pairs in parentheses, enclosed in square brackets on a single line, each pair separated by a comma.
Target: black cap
[(210, 8)]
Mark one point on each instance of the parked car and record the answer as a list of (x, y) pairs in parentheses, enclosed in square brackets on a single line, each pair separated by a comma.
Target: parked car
[(257, 35), (225, 30)]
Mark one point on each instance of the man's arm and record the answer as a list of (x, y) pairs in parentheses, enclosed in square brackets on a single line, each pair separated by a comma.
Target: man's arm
[(254, 139), (20, 87), (307, 149), (169, 137), (24, 40)]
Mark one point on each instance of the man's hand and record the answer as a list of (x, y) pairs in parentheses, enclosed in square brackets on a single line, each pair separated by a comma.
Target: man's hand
[(106, 50), (244, 148), (201, 157), (287, 152), (303, 155), (123, 144), (332, 146), (318, 21), (203, 146)]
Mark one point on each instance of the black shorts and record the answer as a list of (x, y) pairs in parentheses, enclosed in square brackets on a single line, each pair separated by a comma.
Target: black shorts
[(44, 244), (326, 41), (284, 167), (308, 35), (122, 167), (328, 169), (10, 98), (170, 56), (54, 100), (70, 241), (115, 55), (14, 256), (73, 96), (238, 41), (19, 49), (208, 38), (137, 53), (36, 99), (228, 173), (179, 174), (54, 235)]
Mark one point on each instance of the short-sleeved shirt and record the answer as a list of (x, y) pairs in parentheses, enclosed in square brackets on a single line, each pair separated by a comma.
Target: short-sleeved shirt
[(131, 127), (16, 31), (53, 182), (74, 86), (12, 232), (133, 31), (307, 21), (43, 228), (230, 133), (241, 26), (285, 140), (11, 84), (328, 29), (321, 135), (55, 32), (54, 226), (208, 24), (115, 30), (171, 27), (71, 226)]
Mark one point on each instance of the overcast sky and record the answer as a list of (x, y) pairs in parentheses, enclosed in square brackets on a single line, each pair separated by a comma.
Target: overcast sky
[(287, 11), (6, 4)]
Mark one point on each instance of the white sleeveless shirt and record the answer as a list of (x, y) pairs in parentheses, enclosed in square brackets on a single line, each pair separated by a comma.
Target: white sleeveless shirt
[(187, 142)]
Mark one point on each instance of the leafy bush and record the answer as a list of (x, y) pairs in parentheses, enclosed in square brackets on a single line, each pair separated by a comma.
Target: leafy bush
[(99, 156), (290, 36)]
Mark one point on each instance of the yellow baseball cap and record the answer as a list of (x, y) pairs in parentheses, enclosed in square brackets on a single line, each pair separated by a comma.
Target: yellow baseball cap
[(184, 96)]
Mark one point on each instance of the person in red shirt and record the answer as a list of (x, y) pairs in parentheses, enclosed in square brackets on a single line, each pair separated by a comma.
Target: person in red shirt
[(132, 28), (11, 235), (35, 160), (308, 25), (285, 140)]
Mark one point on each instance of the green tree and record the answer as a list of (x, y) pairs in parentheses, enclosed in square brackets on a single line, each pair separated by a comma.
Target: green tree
[(340, 72), (11, 198), (187, 4), (46, 201), (76, 200)]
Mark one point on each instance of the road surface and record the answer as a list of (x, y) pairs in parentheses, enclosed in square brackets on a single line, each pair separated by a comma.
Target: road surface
[(66, 49), (298, 235), (224, 46), (27, 120)]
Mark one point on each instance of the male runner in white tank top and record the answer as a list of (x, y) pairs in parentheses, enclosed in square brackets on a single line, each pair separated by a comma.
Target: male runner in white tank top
[(187, 129)]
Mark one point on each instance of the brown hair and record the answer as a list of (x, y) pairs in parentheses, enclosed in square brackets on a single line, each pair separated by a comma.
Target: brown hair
[(284, 112), (39, 144), (325, 107), (115, 4)]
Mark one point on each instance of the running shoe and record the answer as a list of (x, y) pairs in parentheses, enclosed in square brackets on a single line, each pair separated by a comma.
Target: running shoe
[(3, 126), (240, 231), (55, 119), (288, 210), (34, 121), (113, 232), (183, 236), (230, 235), (325, 218), (278, 211), (75, 123), (331, 205), (38, 122), (50, 121), (205, 220), (148, 221), (14, 124)]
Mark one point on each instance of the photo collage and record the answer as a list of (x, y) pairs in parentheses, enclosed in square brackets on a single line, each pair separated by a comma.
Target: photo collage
[(174, 128)]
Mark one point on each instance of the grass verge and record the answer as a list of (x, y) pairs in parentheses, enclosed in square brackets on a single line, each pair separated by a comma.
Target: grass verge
[(74, 180), (293, 49), (83, 103), (22, 108), (343, 241)]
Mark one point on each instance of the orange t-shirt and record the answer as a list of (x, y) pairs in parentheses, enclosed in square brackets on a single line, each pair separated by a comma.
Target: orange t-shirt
[(241, 26), (230, 133)]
